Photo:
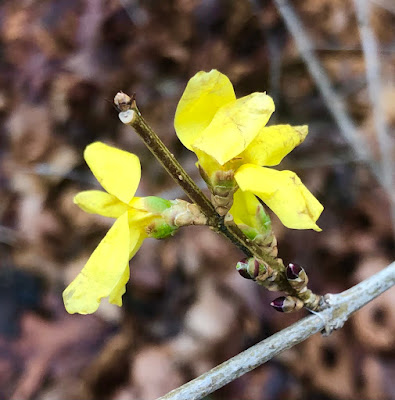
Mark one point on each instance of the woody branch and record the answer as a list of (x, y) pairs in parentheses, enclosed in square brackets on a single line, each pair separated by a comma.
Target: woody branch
[(341, 306)]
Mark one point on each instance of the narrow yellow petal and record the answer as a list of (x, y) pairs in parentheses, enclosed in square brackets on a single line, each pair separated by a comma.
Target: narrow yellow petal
[(234, 126), (117, 171), (284, 193), (273, 143), (103, 271), (102, 203), (115, 297), (244, 208), (137, 237), (205, 93), (136, 240)]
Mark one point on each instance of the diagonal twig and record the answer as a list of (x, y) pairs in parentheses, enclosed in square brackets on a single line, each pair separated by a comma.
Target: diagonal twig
[(373, 73), (341, 307), (333, 101), (386, 4)]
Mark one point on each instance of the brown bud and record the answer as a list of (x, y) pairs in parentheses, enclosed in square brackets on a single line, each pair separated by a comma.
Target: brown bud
[(123, 102)]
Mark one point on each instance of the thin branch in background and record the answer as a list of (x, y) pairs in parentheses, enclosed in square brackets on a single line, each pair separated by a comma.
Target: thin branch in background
[(322, 161), (357, 50), (334, 103), (373, 76), (47, 170), (388, 5), (135, 12), (341, 307), (8, 235), (275, 58)]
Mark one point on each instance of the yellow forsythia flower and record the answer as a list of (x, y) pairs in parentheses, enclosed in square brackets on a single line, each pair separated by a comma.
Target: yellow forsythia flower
[(230, 134), (107, 270)]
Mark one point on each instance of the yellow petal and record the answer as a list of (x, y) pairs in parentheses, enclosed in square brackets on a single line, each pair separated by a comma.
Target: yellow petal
[(115, 297), (205, 93), (244, 208), (145, 212), (137, 237), (117, 171), (273, 143), (102, 203), (208, 163), (139, 217), (103, 271), (234, 126), (284, 193), (136, 240)]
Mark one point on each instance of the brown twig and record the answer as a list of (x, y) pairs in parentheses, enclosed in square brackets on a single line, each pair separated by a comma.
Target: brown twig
[(130, 115)]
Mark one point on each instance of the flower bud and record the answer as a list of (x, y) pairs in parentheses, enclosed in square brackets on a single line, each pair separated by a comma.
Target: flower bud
[(250, 268), (242, 268), (221, 183), (287, 304), (124, 102), (296, 276)]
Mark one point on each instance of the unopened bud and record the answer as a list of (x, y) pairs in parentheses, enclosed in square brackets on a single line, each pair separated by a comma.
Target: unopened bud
[(250, 268), (242, 268), (296, 276), (287, 304), (123, 102), (125, 105), (222, 187)]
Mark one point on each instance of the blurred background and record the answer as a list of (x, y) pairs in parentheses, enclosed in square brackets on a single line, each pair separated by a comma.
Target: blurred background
[(329, 64)]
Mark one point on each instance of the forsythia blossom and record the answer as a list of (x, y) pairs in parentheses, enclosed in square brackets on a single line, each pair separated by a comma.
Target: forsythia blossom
[(107, 270), (229, 135)]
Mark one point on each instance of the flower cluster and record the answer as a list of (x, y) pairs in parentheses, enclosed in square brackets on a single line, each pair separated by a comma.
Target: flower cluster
[(234, 147), (229, 135)]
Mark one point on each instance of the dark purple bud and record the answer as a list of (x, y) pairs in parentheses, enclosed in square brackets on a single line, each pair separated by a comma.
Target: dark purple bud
[(296, 276), (293, 271), (256, 268), (242, 267), (278, 304), (250, 268), (287, 304)]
